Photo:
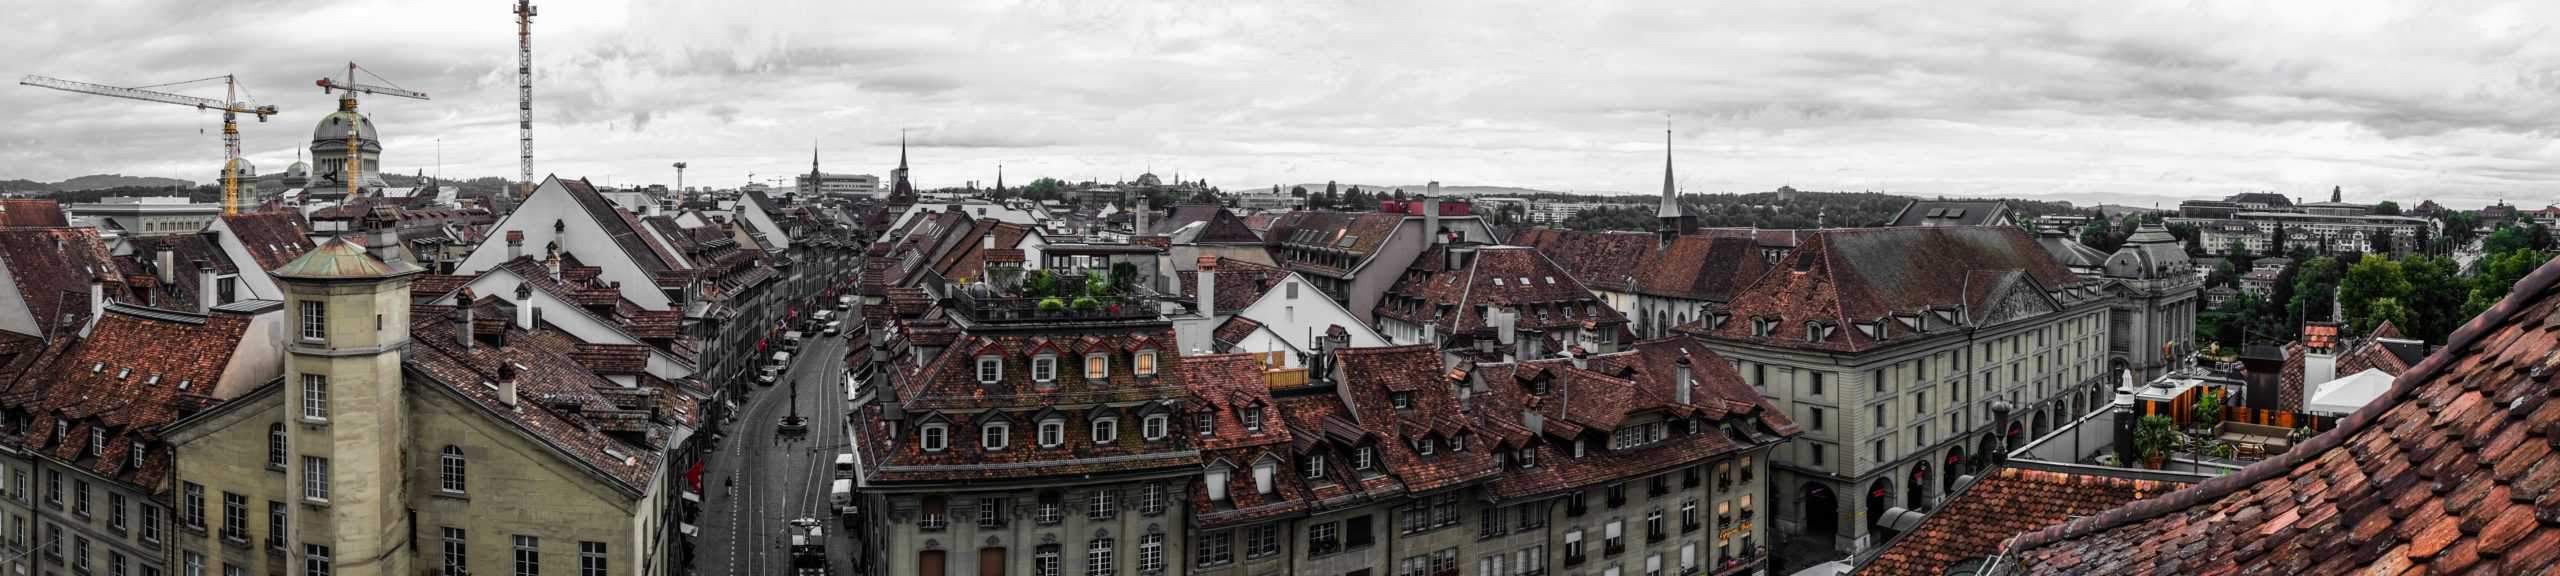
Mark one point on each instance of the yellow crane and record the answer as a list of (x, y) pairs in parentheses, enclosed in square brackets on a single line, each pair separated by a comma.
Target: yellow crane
[(230, 105), (347, 103)]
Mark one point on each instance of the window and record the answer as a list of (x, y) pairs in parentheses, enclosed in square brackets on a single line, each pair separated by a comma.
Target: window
[(1151, 553), (1363, 459), (80, 498), (1151, 499), (934, 437), (1313, 466), (1816, 413), (190, 501), (1155, 426), (80, 554), (936, 516), (1324, 539), (1260, 541), (1653, 565), (115, 511), (990, 513), (453, 467), (275, 525), (315, 320), (1879, 416), (1097, 557), (115, 563), (1106, 430), (457, 554), (1573, 547), (1216, 548), (1103, 505), (1208, 424), (1044, 368), (235, 517), (990, 369), (1050, 511), (528, 556), (1402, 400), (1146, 363), (1653, 529), (275, 446), (1689, 515), (1052, 433), (150, 516), (1253, 420), (315, 479), (1044, 562), (995, 435), (1817, 383), (315, 398), (591, 559), (315, 561), (1097, 367), (1614, 536)]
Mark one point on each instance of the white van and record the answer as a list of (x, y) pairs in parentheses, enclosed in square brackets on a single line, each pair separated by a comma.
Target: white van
[(841, 495), (844, 465)]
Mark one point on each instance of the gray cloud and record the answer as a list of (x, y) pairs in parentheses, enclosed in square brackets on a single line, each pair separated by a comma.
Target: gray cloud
[(2069, 98)]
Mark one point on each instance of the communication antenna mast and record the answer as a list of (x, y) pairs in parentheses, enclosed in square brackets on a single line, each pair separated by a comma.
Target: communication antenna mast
[(524, 96)]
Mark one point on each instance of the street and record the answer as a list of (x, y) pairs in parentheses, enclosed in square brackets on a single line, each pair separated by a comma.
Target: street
[(778, 477)]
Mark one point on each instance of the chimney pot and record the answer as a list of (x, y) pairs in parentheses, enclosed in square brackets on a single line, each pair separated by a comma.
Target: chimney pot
[(208, 294), (507, 384)]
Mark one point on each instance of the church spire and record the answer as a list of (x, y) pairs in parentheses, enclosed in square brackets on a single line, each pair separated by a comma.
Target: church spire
[(1670, 207), (816, 178), (902, 150), (999, 178)]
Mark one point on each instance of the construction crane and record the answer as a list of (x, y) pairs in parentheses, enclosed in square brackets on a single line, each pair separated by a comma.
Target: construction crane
[(230, 105), (347, 103), (524, 95)]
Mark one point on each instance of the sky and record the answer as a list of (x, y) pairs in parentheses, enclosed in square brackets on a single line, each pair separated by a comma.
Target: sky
[(2126, 101)]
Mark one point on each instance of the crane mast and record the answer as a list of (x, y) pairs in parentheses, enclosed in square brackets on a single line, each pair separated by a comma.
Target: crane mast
[(524, 96), (230, 105)]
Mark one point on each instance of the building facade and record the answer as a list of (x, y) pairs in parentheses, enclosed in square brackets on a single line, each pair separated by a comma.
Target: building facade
[(1903, 388)]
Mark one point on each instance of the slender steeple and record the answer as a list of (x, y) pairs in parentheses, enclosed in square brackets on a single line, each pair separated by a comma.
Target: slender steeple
[(817, 179), (999, 178), (1670, 207), (902, 151)]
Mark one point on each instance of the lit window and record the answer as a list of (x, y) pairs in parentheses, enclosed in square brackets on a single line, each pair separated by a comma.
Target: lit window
[(1146, 363), (1097, 367)]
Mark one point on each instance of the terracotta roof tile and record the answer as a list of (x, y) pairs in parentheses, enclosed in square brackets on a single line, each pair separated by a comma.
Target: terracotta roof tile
[(1973, 523), (52, 268), (1843, 277), (1577, 401), (136, 372), (31, 213), (2429, 477), (273, 237), (1240, 283), (1512, 278), (559, 402)]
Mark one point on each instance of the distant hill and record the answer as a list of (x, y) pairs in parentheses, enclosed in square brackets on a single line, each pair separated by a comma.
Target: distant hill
[(92, 182)]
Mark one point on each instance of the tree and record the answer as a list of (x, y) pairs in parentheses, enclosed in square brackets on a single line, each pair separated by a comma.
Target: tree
[(2437, 292), (2281, 244), (2382, 310), (2371, 280), (2507, 239), (2100, 236), (2223, 274), (2379, 241), (1298, 191), (1355, 199), (2387, 208), (1044, 189), (2499, 273), (2315, 289)]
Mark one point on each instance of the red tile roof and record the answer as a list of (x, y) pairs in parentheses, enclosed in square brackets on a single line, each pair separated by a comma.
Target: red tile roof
[(31, 213), (1610, 389), (136, 372), (1240, 283), (52, 268), (272, 238), (1297, 236), (1216, 226), (1226, 388), (1707, 266), (142, 268), (1514, 278), (1369, 374), (559, 400), (1843, 277), (1234, 331), (1975, 521), (2448, 472)]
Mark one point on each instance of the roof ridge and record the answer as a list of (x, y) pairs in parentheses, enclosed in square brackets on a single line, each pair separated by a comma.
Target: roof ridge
[(2526, 292)]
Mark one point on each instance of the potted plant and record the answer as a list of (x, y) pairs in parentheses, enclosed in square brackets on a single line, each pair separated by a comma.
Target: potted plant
[(2153, 438), (1086, 304), (2209, 413), (1052, 306)]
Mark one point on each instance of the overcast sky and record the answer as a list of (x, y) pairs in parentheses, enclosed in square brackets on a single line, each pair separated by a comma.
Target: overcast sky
[(2109, 99)]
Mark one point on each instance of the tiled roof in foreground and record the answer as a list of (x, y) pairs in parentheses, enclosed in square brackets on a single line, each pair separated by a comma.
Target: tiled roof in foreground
[(1972, 525), (2451, 471)]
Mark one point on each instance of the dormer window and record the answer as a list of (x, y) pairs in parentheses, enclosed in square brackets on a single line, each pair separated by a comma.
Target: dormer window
[(61, 430), (138, 454), (1146, 363), (934, 437), (1208, 424), (1097, 367), (1262, 472), (1763, 327), (1364, 459), (1053, 432), (97, 440), (1528, 458), (1426, 447), (1253, 420), (1402, 400), (1217, 483), (1812, 332), (1106, 430), (1312, 466), (1155, 427), (1044, 368), (995, 435), (990, 369), (1458, 443)]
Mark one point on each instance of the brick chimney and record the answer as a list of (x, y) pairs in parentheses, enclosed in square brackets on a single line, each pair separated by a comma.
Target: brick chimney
[(507, 384)]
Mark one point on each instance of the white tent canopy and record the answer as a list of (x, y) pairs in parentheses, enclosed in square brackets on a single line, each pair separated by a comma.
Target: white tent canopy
[(2346, 395)]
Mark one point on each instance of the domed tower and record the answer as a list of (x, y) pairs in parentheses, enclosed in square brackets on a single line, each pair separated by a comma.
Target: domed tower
[(2153, 318), (329, 147), (349, 310)]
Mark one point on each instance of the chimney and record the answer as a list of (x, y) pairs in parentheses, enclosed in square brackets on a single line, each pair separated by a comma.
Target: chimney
[(1142, 216), (507, 384), (97, 304), (462, 324), (168, 263), (524, 307), (208, 294), (515, 244), (1208, 286), (987, 242), (1680, 383), (552, 262), (1431, 215)]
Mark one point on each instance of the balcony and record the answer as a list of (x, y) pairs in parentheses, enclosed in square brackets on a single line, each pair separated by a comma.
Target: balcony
[(1743, 563), (934, 522), (1003, 309), (1615, 547)]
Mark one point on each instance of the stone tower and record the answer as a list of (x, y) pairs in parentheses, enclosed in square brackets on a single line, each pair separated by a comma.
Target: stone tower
[(349, 327)]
